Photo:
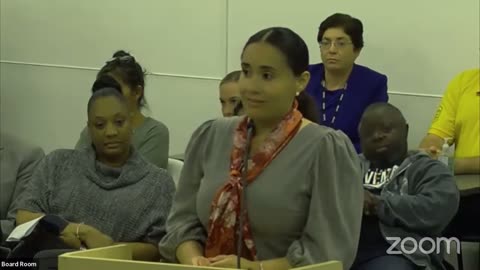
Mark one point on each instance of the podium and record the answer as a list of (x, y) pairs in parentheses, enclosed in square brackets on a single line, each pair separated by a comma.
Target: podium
[(119, 257)]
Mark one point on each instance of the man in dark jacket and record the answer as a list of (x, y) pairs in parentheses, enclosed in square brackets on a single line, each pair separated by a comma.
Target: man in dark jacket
[(409, 197)]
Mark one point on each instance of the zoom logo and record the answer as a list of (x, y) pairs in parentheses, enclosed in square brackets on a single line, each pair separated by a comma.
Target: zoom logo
[(426, 245)]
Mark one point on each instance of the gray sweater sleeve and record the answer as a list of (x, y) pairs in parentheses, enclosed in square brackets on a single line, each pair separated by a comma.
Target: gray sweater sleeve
[(24, 177), (183, 223), (162, 206), (333, 227), (37, 193), (155, 145), (430, 207)]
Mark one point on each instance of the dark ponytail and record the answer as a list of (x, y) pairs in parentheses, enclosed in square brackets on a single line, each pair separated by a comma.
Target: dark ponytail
[(308, 107), (120, 54), (106, 81), (126, 67)]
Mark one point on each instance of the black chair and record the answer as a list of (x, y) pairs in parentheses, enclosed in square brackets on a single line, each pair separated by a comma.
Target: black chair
[(448, 266), (48, 259), (4, 252), (465, 225), (469, 239)]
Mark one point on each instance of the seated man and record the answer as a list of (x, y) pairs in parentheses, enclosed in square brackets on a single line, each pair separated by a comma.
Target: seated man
[(18, 160), (458, 118), (407, 196), (107, 192), (230, 95)]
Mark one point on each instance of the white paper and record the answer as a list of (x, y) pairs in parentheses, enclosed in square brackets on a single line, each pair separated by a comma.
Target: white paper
[(23, 230)]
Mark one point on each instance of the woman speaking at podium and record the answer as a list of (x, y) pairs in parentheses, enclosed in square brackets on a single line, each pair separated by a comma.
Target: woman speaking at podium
[(303, 201)]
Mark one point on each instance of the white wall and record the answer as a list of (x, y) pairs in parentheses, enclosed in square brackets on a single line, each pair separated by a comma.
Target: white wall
[(47, 105), (420, 45), (50, 51), (169, 36)]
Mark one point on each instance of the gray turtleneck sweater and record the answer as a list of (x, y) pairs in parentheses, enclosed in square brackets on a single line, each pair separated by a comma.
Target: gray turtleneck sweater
[(130, 204)]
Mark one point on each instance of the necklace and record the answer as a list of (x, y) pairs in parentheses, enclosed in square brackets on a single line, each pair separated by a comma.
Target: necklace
[(337, 108)]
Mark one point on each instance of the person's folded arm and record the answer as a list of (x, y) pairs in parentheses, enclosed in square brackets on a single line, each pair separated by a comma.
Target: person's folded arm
[(147, 248), (429, 207), (24, 176), (34, 201), (186, 235), (432, 144), (332, 230), (187, 250)]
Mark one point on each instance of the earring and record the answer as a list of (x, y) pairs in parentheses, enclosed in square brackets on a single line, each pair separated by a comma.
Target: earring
[(298, 93)]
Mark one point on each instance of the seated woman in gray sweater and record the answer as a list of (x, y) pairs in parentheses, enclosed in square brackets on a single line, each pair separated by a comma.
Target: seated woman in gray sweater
[(303, 204), (409, 197), (150, 137), (107, 192)]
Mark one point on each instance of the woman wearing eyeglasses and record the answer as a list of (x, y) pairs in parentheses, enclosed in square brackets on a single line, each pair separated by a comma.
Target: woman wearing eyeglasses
[(150, 137), (341, 88)]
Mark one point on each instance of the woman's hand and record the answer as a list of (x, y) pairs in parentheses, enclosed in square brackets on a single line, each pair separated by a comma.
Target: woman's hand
[(75, 234), (200, 261), (69, 236), (432, 151), (93, 238), (230, 261), (370, 203)]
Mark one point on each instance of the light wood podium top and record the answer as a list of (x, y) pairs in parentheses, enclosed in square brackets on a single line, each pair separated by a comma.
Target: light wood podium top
[(119, 257)]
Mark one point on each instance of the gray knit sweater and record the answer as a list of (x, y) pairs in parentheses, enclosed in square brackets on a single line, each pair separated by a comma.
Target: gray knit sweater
[(130, 204)]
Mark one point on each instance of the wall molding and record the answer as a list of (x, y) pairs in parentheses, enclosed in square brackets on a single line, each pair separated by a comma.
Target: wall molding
[(414, 94), (159, 74), (97, 69)]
